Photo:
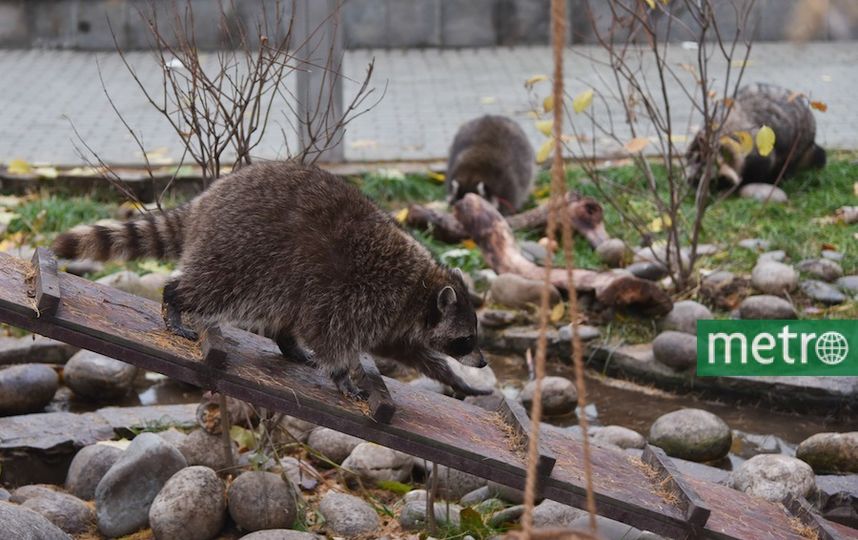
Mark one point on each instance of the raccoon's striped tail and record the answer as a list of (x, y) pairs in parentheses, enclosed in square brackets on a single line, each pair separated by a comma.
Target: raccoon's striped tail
[(159, 235)]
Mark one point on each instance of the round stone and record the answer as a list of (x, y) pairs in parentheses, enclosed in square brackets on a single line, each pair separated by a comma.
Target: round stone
[(675, 349), (848, 284), (96, 377), (67, 512), (766, 306), (347, 515), (773, 277), (559, 395), (332, 444), (26, 388), (773, 477), (261, 500), (376, 463), (202, 448), (824, 269), (684, 316), (613, 252), (21, 523), (619, 436), (692, 434), (652, 271), (830, 452), (822, 292), (281, 534), (454, 484), (191, 506), (88, 467), (763, 193)]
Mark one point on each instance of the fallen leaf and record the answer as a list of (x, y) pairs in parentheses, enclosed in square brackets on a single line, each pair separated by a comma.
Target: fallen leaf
[(488, 100), (535, 79), (19, 166), (746, 142), (545, 150), (660, 223), (244, 437), (636, 145), (650, 3), (828, 247), (582, 101), (765, 140), (557, 312), (544, 127), (46, 172), (402, 215), (438, 177), (548, 104), (819, 106), (741, 63), (855, 189), (469, 244), (122, 444)]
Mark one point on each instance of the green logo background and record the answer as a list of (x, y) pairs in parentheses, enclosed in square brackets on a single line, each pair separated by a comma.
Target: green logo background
[(833, 348)]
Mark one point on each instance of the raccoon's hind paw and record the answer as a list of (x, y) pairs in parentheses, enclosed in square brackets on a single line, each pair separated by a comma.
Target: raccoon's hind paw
[(183, 331), (347, 387)]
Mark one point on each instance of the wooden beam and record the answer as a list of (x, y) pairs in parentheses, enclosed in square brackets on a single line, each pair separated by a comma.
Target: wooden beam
[(696, 512), (46, 284), (516, 418), (799, 508), (426, 425)]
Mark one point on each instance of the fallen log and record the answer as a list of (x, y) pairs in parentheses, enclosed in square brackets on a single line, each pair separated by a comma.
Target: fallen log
[(585, 214), (493, 235)]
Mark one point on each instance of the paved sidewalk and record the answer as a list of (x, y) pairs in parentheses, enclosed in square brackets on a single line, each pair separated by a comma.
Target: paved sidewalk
[(429, 94)]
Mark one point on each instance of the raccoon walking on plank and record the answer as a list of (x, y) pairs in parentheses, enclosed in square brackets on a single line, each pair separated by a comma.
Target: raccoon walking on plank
[(791, 118), (492, 157), (303, 257)]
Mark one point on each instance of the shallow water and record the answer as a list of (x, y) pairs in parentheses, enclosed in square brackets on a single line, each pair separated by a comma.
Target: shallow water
[(618, 402)]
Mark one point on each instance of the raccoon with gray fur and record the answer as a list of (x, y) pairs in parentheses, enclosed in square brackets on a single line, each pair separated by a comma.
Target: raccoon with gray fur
[(303, 257), (790, 117), (492, 157)]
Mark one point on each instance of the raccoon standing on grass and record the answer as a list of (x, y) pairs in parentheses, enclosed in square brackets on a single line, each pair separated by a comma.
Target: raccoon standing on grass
[(791, 118), (492, 157), (305, 258)]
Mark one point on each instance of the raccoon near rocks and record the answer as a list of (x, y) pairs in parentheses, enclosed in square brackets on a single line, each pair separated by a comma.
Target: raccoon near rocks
[(492, 157), (302, 257), (787, 113)]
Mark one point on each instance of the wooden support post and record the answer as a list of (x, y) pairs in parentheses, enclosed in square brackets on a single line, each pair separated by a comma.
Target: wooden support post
[(798, 507), (213, 346), (380, 403), (696, 511), (515, 416), (46, 283)]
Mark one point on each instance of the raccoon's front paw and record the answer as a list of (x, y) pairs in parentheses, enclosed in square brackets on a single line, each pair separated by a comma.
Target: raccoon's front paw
[(348, 388), (184, 331)]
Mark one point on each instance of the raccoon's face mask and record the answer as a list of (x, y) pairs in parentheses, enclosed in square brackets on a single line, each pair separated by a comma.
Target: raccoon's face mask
[(454, 329)]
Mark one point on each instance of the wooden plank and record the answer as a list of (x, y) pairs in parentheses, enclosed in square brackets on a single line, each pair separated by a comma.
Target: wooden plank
[(426, 425), (696, 512), (46, 283), (516, 418), (380, 404), (213, 346), (799, 508)]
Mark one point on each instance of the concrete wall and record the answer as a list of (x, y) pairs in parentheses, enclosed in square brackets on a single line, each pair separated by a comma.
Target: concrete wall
[(82, 24)]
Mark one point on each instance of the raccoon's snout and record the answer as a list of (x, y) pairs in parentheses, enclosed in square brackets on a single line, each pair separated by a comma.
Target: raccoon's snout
[(474, 359)]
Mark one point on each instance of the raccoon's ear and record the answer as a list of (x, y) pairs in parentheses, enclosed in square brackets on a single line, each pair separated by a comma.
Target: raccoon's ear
[(481, 189), (458, 272), (446, 298)]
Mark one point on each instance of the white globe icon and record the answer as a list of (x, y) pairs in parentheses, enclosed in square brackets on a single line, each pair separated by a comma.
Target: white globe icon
[(832, 348)]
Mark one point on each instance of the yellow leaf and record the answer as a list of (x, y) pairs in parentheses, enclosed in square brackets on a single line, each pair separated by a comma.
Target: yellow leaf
[(819, 106), (244, 437), (545, 150), (469, 244), (746, 142), (122, 444), (19, 166), (636, 145), (855, 189), (535, 79), (557, 312), (438, 177), (650, 3), (659, 224), (765, 141), (548, 104), (582, 101), (402, 215), (731, 142), (544, 127), (488, 100)]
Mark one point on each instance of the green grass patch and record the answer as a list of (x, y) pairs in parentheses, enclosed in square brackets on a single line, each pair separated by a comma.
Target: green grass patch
[(54, 214)]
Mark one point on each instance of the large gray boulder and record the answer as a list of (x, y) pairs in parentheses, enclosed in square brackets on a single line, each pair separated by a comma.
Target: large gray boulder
[(88, 467), (347, 515), (830, 452), (124, 494), (376, 463), (26, 388), (19, 523), (190, 506), (773, 477), (692, 434), (97, 377), (262, 500)]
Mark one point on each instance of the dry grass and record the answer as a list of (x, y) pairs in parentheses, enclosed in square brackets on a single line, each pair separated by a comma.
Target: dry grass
[(517, 442), (663, 484), (802, 529)]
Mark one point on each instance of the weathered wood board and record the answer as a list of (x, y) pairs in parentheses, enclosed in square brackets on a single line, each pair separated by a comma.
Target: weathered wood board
[(426, 425)]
